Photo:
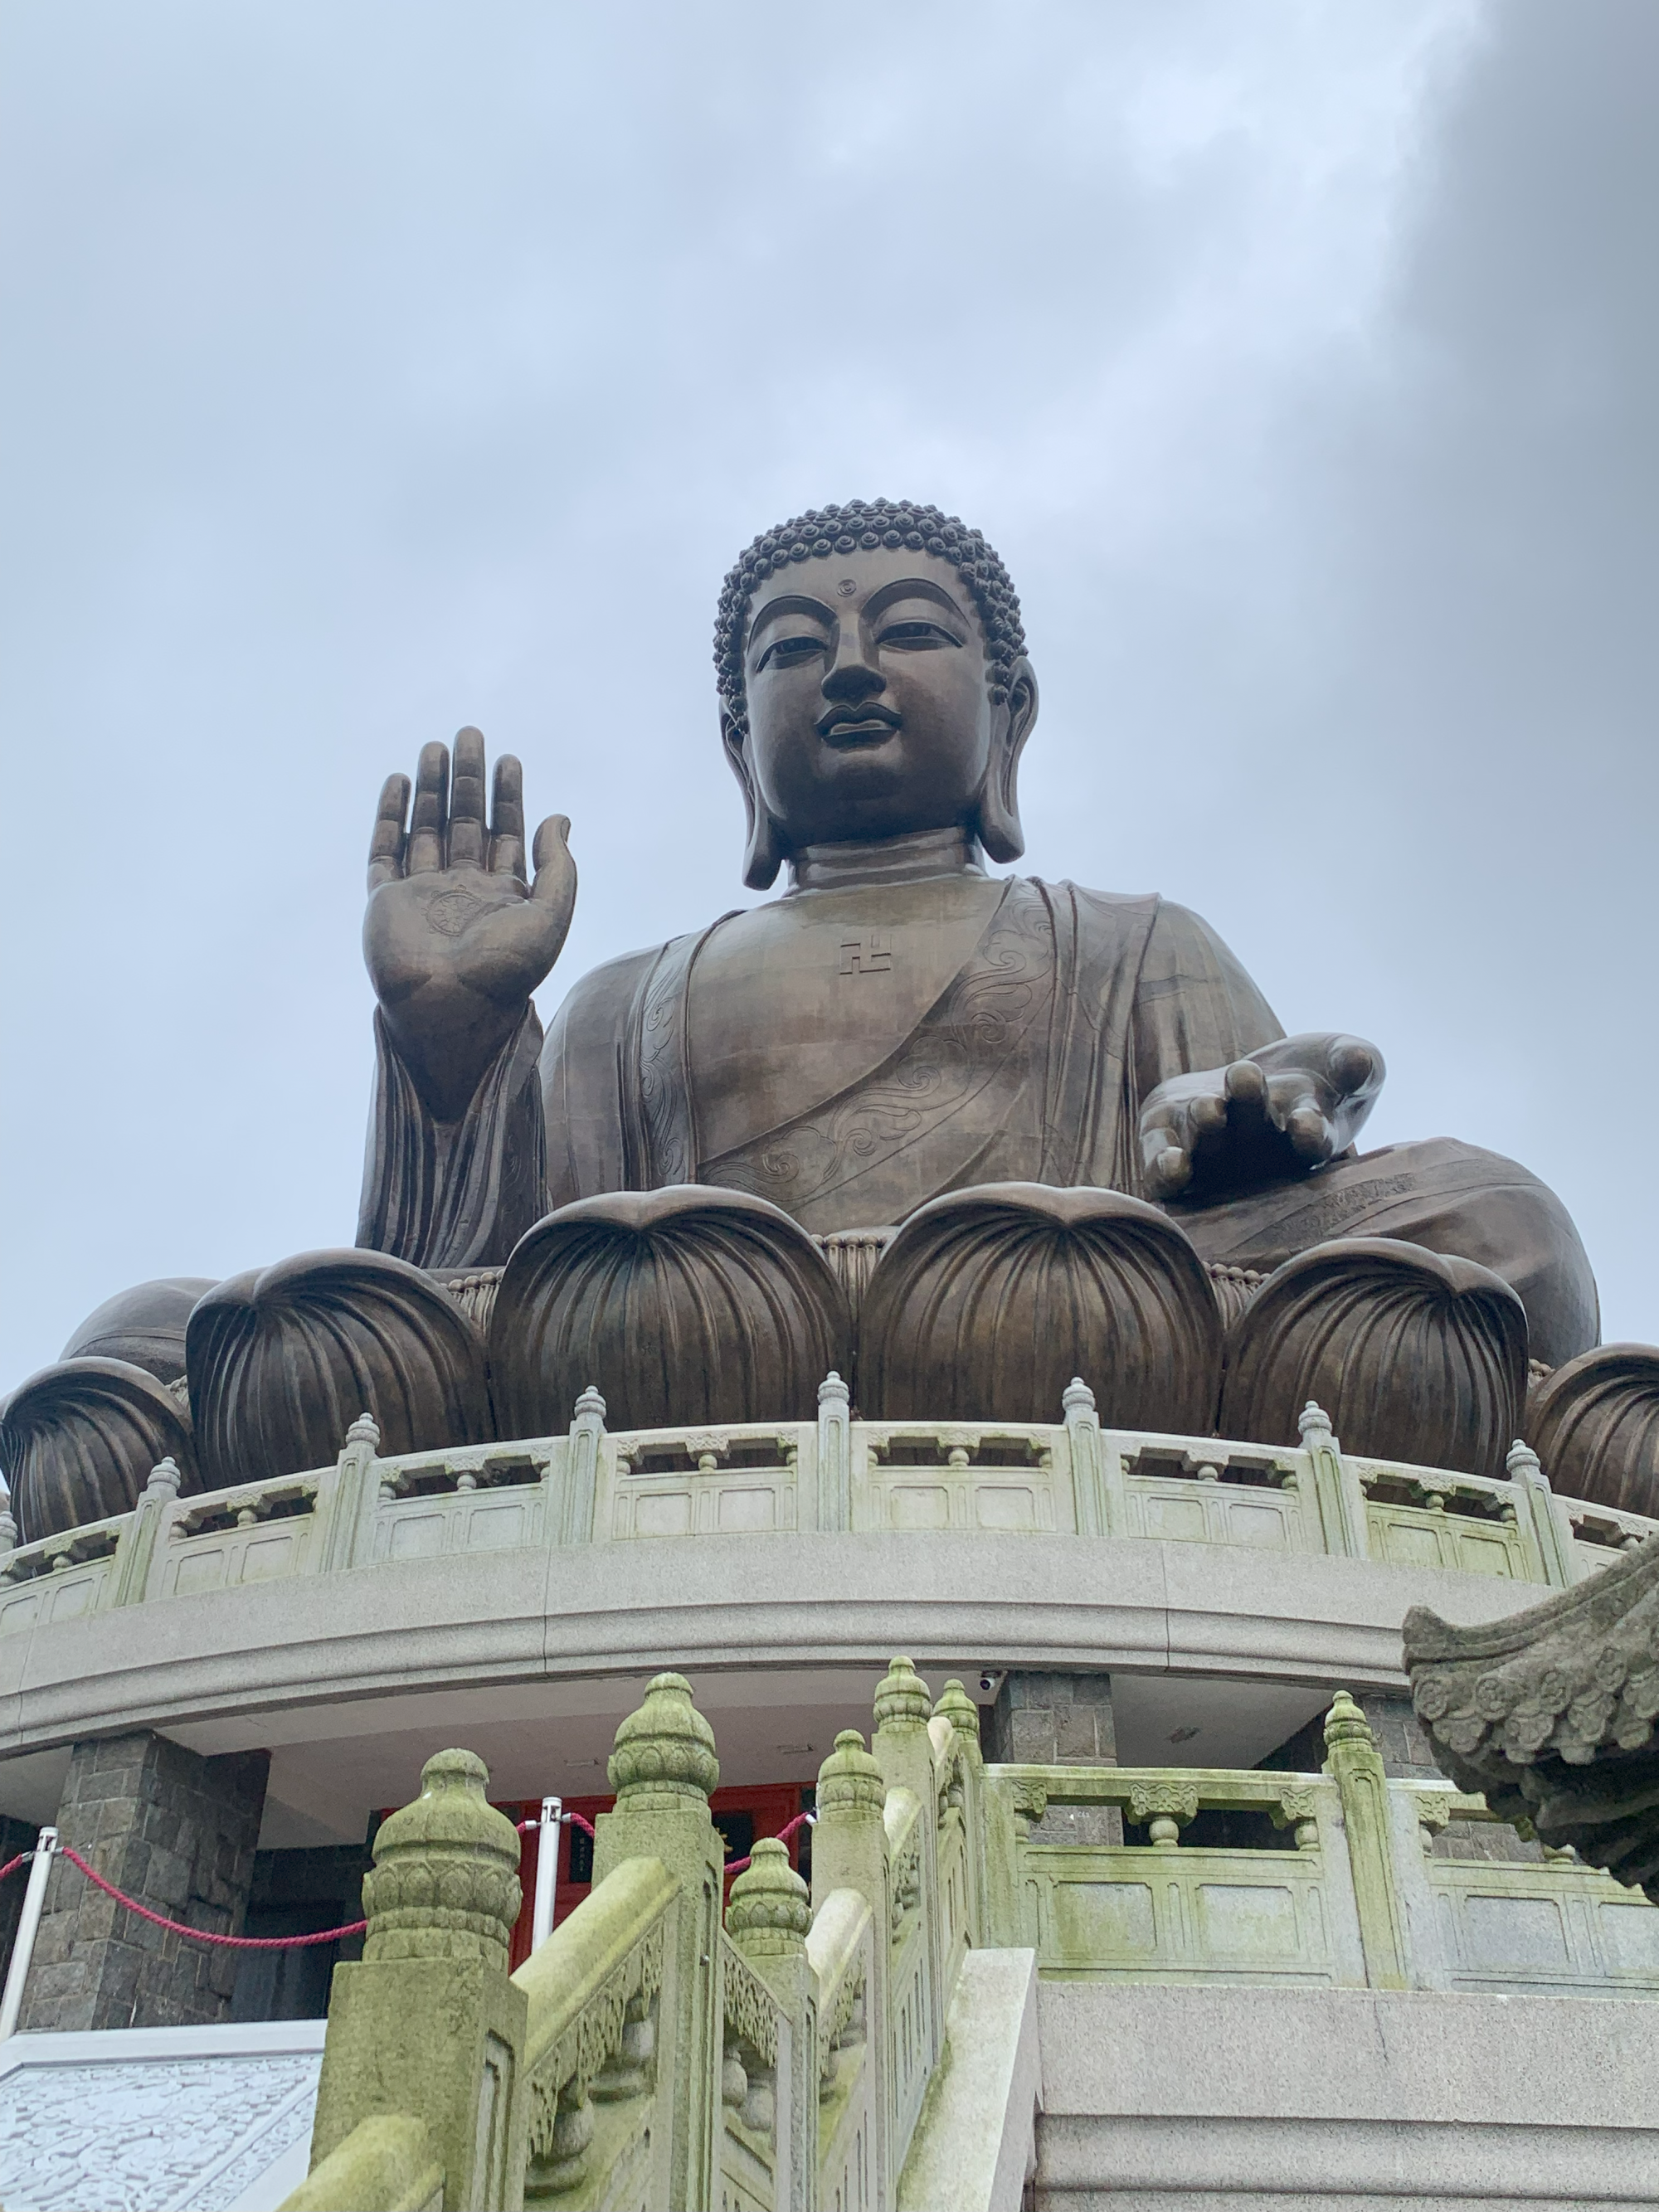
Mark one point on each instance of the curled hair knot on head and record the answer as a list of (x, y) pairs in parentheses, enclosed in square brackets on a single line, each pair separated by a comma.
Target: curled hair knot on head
[(893, 523)]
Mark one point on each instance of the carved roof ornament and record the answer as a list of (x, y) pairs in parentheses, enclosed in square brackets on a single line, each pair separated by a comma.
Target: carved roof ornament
[(663, 1758), (1551, 1713), (445, 1883)]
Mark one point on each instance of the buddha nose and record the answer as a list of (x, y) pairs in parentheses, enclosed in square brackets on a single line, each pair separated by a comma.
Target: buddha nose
[(851, 676)]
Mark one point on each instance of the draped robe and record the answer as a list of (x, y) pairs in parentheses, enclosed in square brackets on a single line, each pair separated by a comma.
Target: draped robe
[(1031, 1065)]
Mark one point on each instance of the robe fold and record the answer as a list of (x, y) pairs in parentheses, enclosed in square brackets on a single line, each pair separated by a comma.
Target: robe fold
[(1031, 1065)]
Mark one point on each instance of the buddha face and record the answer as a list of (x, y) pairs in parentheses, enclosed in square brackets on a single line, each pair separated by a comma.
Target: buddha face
[(869, 714)]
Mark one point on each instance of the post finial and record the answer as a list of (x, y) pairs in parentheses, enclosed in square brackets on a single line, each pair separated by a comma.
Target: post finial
[(164, 1480), (903, 1700), (769, 1909), (955, 1706), (445, 1883), (849, 1780), (664, 1758), (1345, 1722)]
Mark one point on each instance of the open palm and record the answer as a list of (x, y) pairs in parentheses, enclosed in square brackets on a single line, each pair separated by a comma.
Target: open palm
[(455, 938)]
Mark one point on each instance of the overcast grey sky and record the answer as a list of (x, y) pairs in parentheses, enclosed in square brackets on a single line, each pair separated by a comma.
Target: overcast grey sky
[(372, 369)]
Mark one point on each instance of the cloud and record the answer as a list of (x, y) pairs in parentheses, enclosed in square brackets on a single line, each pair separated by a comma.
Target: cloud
[(385, 369)]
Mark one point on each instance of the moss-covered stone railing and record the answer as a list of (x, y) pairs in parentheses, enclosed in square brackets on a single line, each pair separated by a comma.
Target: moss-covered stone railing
[(786, 2053), (834, 1475)]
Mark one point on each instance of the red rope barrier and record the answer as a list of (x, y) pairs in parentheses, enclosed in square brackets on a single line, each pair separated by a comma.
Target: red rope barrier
[(576, 1819), (298, 1942), (736, 1866), (204, 1935)]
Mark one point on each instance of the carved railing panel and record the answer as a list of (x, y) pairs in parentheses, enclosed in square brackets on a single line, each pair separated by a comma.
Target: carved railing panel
[(485, 1497), (955, 1474), (261, 1532), (1163, 1911), (911, 2021), (755, 2074), (62, 1577), (1432, 1517), (593, 2080), (705, 1482), (1070, 1477), (841, 1949), (1217, 1494)]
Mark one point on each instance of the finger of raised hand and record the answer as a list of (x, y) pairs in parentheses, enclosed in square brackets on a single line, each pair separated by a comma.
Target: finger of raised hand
[(430, 818), (507, 819), (465, 846), (555, 871), (386, 846)]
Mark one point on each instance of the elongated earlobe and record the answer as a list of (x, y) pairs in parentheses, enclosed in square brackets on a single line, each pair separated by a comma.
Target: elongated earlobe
[(762, 856), (998, 803), (762, 853)]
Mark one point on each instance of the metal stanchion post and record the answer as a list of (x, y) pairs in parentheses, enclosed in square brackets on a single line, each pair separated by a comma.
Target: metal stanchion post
[(34, 1898), (547, 1871)]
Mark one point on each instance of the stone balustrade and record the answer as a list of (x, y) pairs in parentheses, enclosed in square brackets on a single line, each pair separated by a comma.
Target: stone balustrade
[(781, 2056), (836, 1475)]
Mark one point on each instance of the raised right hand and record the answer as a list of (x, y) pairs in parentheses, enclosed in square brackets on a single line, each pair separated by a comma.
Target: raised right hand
[(455, 937)]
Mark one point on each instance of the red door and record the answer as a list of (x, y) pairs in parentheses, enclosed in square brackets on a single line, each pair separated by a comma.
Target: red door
[(742, 1815)]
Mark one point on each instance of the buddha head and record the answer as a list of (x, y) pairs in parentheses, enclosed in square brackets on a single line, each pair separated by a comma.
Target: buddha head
[(873, 684)]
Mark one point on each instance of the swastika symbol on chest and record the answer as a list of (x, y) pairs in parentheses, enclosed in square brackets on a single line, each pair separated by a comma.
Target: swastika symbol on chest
[(871, 955)]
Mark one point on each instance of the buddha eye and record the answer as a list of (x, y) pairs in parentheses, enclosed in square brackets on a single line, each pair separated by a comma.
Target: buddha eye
[(789, 652), (916, 637)]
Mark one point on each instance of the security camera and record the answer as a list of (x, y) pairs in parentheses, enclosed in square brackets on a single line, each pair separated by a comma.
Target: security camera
[(991, 1681)]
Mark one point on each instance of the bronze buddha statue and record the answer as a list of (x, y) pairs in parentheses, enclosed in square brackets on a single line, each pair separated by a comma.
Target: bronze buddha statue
[(898, 1024), (960, 1137)]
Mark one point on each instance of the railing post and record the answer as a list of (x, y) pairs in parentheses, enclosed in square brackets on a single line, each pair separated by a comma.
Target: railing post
[(1355, 1765), (348, 1498), (29, 1926), (850, 1852), (141, 1554), (1098, 1487), (1550, 1539), (662, 1769), (904, 1750), (1341, 1500), (427, 2024), (767, 1918), (581, 1470), (834, 1501), (955, 1707)]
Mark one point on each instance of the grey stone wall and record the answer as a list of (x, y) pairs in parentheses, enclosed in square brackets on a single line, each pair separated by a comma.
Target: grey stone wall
[(1043, 1718), (178, 1832), (297, 1892)]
